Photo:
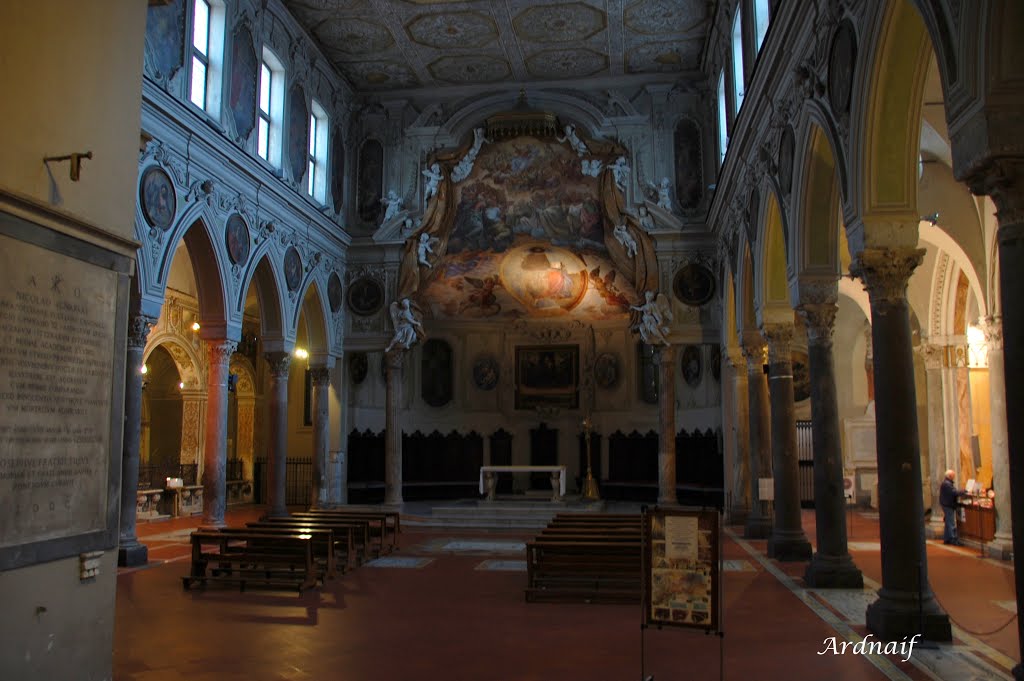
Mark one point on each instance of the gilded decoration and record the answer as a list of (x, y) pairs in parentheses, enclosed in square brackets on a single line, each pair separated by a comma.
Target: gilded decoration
[(449, 30), (665, 16), (470, 69), (559, 23), (568, 63), (663, 56), (378, 73), (353, 36)]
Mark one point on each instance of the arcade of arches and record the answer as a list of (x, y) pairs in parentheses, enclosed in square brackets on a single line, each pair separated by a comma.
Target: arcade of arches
[(777, 218)]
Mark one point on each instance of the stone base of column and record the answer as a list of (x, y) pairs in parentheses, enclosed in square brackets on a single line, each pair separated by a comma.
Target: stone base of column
[(833, 572), (757, 527), (131, 555), (934, 528), (668, 501), (738, 515), (893, 619), (789, 547), (1000, 548)]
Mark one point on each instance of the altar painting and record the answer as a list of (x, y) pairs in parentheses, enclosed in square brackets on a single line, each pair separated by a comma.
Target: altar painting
[(528, 240)]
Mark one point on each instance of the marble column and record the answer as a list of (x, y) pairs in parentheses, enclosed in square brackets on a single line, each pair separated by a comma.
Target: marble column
[(1001, 546), (905, 605), (395, 360), (932, 355), (736, 413), (831, 566), (667, 426), (321, 380), (277, 459), (759, 525), (130, 551), (215, 449), (788, 542)]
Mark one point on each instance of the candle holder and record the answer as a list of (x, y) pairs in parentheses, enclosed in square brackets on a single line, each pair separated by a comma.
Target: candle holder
[(590, 491)]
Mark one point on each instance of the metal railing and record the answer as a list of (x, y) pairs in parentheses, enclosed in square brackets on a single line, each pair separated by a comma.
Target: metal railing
[(154, 476)]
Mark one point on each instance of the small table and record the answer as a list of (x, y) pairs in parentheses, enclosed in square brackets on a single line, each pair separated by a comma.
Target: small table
[(488, 478)]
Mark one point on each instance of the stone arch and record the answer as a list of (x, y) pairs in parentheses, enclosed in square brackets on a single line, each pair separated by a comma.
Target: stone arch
[(461, 124), (934, 235), (814, 248), (745, 311), (268, 292), (771, 288), (314, 312), (191, 368)]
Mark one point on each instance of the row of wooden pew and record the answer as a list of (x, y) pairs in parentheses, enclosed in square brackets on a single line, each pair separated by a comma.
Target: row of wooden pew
[(586, 557), (297, 551)]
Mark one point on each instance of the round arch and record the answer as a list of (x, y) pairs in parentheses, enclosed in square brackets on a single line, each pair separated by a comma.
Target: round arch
[(814, 247)]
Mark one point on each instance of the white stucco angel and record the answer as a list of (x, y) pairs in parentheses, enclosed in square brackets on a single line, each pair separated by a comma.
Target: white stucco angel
[(425, 248), (623, 236), (664, 193), (592, 166), (578, 145), (645, 219), (434, 176), (465, 166), (656, 314), (394, 204), (408, 328), (620, 169)]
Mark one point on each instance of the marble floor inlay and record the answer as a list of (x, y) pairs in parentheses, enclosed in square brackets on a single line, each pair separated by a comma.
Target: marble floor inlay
[(397, 562), (504, 565)]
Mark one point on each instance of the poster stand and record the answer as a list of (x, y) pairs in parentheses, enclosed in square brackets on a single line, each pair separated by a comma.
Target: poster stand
[(681, 584)]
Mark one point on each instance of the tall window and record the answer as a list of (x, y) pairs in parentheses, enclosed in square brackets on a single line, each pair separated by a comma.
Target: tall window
[(760, 22), (317, 171), (723, 131), (737, 59), (271, 109), (207, 55)]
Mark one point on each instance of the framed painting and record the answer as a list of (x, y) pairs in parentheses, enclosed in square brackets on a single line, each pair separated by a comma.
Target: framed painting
[(236, 238), (694, 284), (242, 82), (365, 296), (334, 294), (156, 193), (298, 132), (547, 376), (292, 269)]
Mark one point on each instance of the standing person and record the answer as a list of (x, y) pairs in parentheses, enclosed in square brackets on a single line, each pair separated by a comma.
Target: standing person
[(949, 497)]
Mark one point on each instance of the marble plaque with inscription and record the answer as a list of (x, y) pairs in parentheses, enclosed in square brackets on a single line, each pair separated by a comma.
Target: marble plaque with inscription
[(56, 363)]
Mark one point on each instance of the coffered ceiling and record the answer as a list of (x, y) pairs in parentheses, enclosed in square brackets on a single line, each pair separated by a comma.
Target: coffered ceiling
[(382, 45)]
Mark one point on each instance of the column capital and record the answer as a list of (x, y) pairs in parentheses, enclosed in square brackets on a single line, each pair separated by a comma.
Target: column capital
[(992, 327), (320, 376), (780, 342), (818, 290), (1003, 180), (734, 355), (280, 363), (139, 326), (219, 350), (932, 355), (756, 355), (665, 354), (820, 320), (886, 271)]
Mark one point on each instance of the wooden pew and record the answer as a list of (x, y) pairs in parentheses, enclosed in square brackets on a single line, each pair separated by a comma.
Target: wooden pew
[(244, 557), (583, 569), (324, 544), (385, 525), (351, 538)]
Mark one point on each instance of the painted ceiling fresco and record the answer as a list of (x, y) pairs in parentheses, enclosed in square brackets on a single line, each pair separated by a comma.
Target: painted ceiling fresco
[(396, 44), (528, 240)]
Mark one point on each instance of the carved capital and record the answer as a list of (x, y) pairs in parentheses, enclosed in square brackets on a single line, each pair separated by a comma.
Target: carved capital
[(819, 290), (932, 355), (734, 356), (665, 354), (280, 363), (820, 320), (756, 355), (885, 272), (320, 376), (992, 327), (1003, 180), (219, 351), (138, 330), (780, 342)]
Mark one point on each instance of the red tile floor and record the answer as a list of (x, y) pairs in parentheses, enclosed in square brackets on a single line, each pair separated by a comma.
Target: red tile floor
[(450, 621)]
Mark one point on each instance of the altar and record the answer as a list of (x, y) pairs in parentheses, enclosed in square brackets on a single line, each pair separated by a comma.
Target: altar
[(488, 478)]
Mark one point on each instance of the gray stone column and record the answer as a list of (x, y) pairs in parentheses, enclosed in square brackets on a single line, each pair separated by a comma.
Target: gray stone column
[(759, 525), (321, 380), (667, 426), (831, 566), (277, 459), (1001, 546), (736, 412), (395, 360), (932, 355), (905, 605), (129, 551), (788, 541), (215, 450)]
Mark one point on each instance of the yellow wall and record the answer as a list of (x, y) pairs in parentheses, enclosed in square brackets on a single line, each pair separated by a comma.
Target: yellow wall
[(981, 410)]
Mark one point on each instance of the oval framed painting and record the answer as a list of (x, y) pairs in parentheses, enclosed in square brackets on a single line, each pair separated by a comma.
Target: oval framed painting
[(292, 269), (357, 367), (334, 295), (694, 284), (840, 67), (236, 239), (606, 371), (486, 372), (156, 194), (365, 296), (691, 365), (787, 145)]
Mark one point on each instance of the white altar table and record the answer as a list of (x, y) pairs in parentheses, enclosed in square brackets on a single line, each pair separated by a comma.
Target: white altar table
[(488, 478)]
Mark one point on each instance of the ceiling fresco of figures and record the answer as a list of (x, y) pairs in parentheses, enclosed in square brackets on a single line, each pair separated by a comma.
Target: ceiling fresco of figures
[(396, 44), (528, 241)]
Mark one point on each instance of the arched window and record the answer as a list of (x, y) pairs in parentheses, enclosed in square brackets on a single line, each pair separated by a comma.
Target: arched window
[(760, 22), (723, 130), (737, 59)]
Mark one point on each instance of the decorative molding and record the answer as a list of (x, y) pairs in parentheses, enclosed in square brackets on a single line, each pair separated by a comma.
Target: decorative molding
[(138, 330), (219, 352), (885, 272), (820, 320), (780, 343), (280, 364)]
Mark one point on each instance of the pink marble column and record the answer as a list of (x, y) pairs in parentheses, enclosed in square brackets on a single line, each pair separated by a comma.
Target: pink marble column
[(393, 428), (215, 451), (1001, 545), (759, 525), (280, 364), (736, 415), (667, 426), (321, 379), (129, 551)]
